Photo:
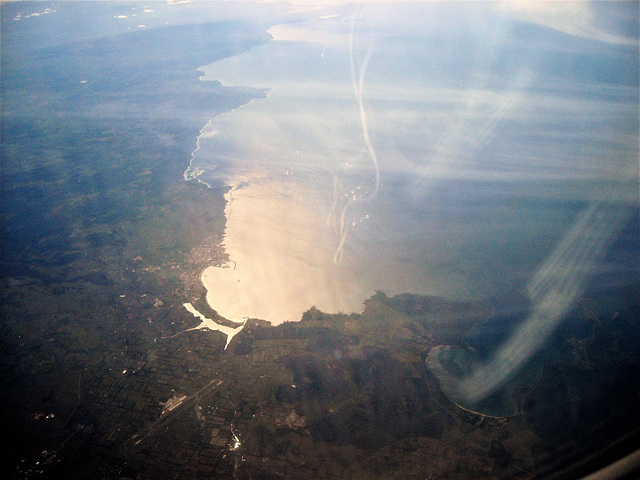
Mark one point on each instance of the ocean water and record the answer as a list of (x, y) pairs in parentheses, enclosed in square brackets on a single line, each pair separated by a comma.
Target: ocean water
[(431, 154)]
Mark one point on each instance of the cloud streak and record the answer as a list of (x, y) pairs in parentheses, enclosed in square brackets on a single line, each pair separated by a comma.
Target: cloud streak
[(572, 18)]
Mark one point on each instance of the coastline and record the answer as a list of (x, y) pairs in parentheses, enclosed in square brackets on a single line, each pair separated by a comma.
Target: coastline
[(190, 173), (446, 381), (187, 174), (265, 281)]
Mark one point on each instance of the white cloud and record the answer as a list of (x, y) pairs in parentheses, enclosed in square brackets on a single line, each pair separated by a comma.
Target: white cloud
[(573, 18)]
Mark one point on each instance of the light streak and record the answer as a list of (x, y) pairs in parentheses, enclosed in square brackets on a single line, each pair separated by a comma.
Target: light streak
[(553, 290), (357, 81)]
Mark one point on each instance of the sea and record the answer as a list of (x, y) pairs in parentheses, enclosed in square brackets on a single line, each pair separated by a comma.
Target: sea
[(447, 151)]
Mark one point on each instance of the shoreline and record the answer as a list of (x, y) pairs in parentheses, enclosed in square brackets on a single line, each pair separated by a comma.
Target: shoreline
[(187, 175), (428, 358)]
